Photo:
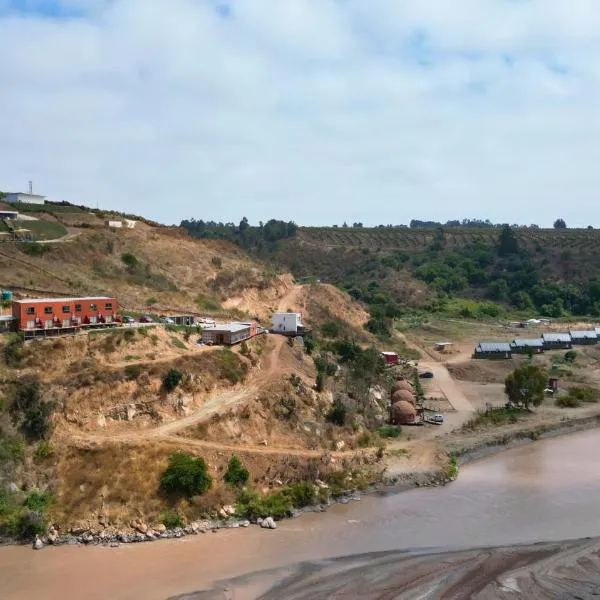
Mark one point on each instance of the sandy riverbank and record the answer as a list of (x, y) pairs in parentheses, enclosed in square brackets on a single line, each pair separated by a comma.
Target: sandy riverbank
[(548, 570)]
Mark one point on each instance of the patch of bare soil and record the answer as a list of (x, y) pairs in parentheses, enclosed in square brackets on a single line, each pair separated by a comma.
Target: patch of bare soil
[(483, 371)]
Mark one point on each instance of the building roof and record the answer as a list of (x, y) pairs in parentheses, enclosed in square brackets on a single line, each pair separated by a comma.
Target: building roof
[(36, 300), (229, 327), (583, 334), (24, 194), (6, 318), (494, 347), (556, 337), (389, 353), (531, 343)]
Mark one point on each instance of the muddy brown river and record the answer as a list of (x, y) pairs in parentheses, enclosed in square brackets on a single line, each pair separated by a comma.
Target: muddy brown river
[(545, 491)]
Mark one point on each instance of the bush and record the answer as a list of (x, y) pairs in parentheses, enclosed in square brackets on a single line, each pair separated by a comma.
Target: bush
[(130, 261), (337, 414), (44, 450), (567, 402), (244, 349), (217, 261), (302, 494), (33, 249), (570, 356), (236, 474), (331, 329), (171, 379), (29, 524), (129, 335), (13, 350), (252, 505), (230, 366), (364, 440), (33, 415), (389, 431), (152, 301), (171, 519), (321, 381), (38, 501), (133, 371), (12, 450), (186, 475), (584, 394), (178, 343)]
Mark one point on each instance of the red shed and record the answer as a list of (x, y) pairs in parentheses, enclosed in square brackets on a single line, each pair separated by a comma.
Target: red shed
[(391, 358), (61, 315)]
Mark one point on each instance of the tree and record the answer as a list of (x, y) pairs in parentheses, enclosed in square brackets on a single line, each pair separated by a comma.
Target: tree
[(560, 224), (236, 473), (171, 379), (186, 475), (507, 243), (526, 385)]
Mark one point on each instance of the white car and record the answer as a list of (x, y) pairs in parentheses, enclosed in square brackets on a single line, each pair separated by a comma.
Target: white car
[(167, 321), (437, 418)]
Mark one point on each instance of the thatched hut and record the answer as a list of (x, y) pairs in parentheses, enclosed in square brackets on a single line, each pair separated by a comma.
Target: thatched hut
[(402, 384), (403, 413), (404, 396)]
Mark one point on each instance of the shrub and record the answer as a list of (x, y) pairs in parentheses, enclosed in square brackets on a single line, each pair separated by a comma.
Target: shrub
[(38, 501), (252, 505), (129, 335), (178, 343), (570, 356), (130, 261), (33, 249), (389, 431), (29, 524), (29, 411), (331, 329), (321, 381), (217, 261), (230, 367), (364, 440), (153, 338), (171, 379), (186, 475), (133, 371), (567, 402), (302, 494), (236, 474), (584, 394), (171, 519), (44, 450), (152, 301), (244, 349), (12, 450), (337, 414), (13, 350)]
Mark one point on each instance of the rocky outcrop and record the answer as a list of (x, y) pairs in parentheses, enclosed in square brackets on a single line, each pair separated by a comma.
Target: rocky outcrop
[(268, 523)]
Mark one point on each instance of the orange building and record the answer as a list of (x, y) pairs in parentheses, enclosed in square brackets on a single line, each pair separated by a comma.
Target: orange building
[(47, 316)]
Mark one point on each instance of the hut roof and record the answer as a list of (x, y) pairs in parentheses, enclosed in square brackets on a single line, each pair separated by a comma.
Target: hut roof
[(402, 385), (403, 396), (404, 410)]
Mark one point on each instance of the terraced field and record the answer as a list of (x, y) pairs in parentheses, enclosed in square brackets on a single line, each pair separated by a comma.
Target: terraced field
[(415, 240)]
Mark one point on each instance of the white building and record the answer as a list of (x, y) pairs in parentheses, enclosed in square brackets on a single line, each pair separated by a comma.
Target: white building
[(23, 198), (129, 224), (286, 322), (114, 224)]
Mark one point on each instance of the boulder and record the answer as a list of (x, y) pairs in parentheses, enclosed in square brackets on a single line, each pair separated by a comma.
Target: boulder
[(195, 527), (160, 528), (245, 524), (268, 523), (52, 535), (37, 543), (13, 487)]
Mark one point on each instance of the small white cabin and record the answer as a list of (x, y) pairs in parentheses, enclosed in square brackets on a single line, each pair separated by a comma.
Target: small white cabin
[(286, 322), (114, 224)]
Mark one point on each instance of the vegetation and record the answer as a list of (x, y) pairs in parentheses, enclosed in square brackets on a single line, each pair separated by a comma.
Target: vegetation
[(171, 519), (253, 505), (578, 396), (245, 235), (13, 350), (33, 249), (208, 304), (24, 516), (389, 431), (185, 475), (132, 372), (130, 261), (494, 416), (236, 473), (525, 385), (171, 380), (29, 411), (229, 366), (570, 356)]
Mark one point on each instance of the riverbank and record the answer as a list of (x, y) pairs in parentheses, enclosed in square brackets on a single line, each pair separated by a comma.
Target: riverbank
[(569, 569)]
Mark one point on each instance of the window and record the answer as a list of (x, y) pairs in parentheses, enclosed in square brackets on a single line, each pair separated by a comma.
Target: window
[(93, 307), (66, 323), (66, 309), (49, 323), (47, 310), (30, 310), (108, 306), (30, 324), (93, 320), (78, 308)]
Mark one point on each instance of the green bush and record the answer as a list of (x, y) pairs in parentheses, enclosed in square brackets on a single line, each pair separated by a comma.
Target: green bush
[(29, 411), (302, 494), (321, 381), (229, 366), (129, 335), (152, 301), (12, 450), (38, 501), (171, 519), (171, 379), (217, 261), (130, 261), (13, 350), (44, 450), (570, 356), (337, 414), (186, 475), (567, 402), (331, 329), (178, 343), (364, 440), (133, 371), (585, 394), (34, 249), (389, 431), (252, 505), (236, 474)]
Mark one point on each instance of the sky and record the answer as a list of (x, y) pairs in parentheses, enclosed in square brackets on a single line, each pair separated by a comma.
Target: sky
[(317, 111)]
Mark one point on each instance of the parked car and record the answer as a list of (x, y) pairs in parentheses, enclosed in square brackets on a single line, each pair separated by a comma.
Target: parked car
[(437, 418), (128, 319), (146, 319), (167, 320), (426, 375)]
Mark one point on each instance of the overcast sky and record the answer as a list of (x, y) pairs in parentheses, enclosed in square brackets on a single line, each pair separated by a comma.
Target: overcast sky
[(318, 111)]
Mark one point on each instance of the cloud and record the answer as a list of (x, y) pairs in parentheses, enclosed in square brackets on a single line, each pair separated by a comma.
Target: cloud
[(314, 110)]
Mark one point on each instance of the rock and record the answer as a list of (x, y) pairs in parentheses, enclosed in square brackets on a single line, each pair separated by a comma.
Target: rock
[(245, 524), (114, 544), (13, 487), (321, 484), (222, 513), (268, 523), (37, 544), (160, 528), (52, 535), (131, 412), (339, 445), (103, 520), (101, 421), (88, 538), (230, 510), (195, 527), (265, 443), (151, 535)]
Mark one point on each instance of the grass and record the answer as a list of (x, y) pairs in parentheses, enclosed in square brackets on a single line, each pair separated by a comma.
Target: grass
[(208, 304), (178, 343), (46, 208), (389, 431), (43, 230), (229, 366), (496, 416)]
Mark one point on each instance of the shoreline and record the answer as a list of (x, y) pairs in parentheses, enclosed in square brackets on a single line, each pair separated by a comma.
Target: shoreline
[(458, 452)]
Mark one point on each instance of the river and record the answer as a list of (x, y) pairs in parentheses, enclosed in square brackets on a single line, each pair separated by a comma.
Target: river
[(546, 491)]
